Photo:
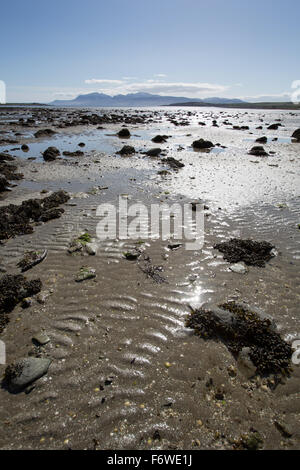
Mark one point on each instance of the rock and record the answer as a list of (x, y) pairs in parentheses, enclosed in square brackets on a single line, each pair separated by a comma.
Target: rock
[(153, 152), (296, 134), (159, 139), (25, 148), (26, 303), (238, 268), (273, 127), (50, 154), (31, 258), (202, 144), (258, 151), (77, 153), (132, 255), (262, 140), (91, 248), (175, 164), (124, 133), (3, 184), (247, 332), (81, 144), (127, 150), (41, 339), (251, 252), (85, 273), (14, 288), (44, 133), (25, 371)]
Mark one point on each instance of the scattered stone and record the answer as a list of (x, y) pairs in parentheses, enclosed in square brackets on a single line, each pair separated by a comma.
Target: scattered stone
[(258, 151), (85, 273), (31, 258), (77, 153), (50, 154), (262, 140), (175, 164), (25, 371), (127, 150), (41, 339), (159, 139), (153, 152), (238, 268), (44, 133), (251, 252), (202, 144), (124, 133)]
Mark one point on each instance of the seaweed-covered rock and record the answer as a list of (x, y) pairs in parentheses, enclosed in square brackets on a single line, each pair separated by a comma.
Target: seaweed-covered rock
[(175, 164), (127, 150), (124, 133), (296, 134), (251, 252), (8, 173), (240, 326), (13, 289), (50, 154), (262, 140), (17, 220), (202, 144), (25, 371), (258, 151), (44, 133), (159, 139), (31, 259)]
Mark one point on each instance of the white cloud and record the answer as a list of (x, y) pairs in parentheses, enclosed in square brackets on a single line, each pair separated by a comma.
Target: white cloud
[(186, 89), (93, 81), (160, 75)]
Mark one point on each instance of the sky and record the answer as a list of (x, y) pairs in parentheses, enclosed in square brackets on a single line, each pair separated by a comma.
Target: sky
[(58, 49)]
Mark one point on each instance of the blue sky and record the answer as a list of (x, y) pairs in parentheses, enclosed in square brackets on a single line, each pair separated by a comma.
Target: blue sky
[(195, 48)]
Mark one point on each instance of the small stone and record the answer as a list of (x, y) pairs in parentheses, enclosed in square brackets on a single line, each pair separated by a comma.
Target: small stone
[(91, 248), (239, 268), (25, 371), (85, 273), (41, 339)]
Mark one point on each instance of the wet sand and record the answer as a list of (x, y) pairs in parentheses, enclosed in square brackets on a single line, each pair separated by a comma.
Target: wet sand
[(126, 373)]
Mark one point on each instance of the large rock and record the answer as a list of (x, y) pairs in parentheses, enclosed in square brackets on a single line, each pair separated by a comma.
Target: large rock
[(51, 153), (124, 133), (25, 371), (127, 150), (202, 144), (296, 134), (258, 151), (44, 133)]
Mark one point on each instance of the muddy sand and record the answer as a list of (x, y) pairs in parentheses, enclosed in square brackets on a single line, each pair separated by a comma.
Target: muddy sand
[(139, 352)]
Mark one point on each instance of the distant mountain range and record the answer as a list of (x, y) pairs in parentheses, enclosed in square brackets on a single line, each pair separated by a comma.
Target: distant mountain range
[(137, 99)]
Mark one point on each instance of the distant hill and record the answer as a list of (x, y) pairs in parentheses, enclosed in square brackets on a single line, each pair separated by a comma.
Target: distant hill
[(135, 99)]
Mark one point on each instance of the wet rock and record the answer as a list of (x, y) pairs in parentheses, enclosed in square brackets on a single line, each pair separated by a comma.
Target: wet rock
[(132, 255), (25, 148), (153, 152), (258, 151), (41, 339), (296, 134), (202, 144), (3, 184), (241, 326), (85, 273), (238, 268), (81, 144), (124, 133), (50, 154), (44, 133), (77, 153), (174, 164), (31, 258), (7, 174), (91, 248), (17, 220), (274, 127), (284, 431), (127, 150), (262, 140), (24, 372), (159, 139), (251, 252), (13, 289)]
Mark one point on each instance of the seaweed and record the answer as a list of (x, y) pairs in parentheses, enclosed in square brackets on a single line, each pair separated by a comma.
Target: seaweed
[(253, 253)]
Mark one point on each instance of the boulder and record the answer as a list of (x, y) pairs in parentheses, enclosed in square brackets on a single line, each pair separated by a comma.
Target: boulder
[(51, 153)]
